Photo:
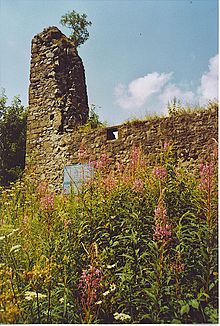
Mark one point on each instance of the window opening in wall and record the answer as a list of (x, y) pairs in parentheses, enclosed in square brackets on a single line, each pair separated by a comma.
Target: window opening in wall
[(112, 133), (75, 176)]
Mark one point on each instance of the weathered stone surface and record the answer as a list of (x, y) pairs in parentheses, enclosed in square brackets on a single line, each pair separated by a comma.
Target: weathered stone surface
[(58, 105), (57, 98)]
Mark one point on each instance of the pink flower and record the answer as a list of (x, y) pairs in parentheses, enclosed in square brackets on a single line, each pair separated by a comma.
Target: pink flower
[(42, 188), (47, 202), (82, 154), (215, 152), (25, 219), (162, 232), (160, 172), (102, 162), (110, 182), (162, 228), (177, 267), (206, 169), (89, 284), (119, 167), (125, 179), (67, 223), (138, 185), (166, 146), (160, 212), (206, 174), (135, 156)]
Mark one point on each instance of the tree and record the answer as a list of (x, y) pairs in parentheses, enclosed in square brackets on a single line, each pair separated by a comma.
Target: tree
[(78, 24), (12, 139)]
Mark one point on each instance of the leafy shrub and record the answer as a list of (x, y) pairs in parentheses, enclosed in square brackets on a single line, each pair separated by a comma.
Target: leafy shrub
[(12, 139)]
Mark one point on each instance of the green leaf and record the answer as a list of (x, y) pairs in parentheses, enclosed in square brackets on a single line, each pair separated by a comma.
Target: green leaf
[(15, 248), (184, 309), (128, 257), (202, 294), (212, 314), (151, 295), (211, 286), (116, 243), (146, 316), (175, 321), (194, 303)]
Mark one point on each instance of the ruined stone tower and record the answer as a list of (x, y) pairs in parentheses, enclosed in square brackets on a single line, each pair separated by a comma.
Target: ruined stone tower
[(57, 102), (58, 105)]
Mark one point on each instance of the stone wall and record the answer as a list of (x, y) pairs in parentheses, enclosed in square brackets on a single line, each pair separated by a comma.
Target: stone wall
[(58, 106), (190, 134), (57, 99)]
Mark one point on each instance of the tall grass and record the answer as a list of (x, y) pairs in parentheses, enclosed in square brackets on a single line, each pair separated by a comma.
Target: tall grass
[(137, 244)]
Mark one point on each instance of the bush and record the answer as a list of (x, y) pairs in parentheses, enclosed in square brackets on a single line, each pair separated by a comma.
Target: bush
[(12, 139)]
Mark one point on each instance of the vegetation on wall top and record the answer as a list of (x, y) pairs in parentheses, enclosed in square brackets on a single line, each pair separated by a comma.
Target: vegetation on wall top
[(78, 25)]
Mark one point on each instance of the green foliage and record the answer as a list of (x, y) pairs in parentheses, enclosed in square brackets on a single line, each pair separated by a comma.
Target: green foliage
[(78, 25), (138, 244), (93, 120), (176, 108), (12, 139)]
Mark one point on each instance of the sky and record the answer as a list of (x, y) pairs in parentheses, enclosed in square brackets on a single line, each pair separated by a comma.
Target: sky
[(140, 53)]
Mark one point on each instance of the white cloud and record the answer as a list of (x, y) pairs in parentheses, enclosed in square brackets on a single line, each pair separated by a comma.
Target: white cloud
[(171, 90), (208, 89), (140, 90), (153, 91)]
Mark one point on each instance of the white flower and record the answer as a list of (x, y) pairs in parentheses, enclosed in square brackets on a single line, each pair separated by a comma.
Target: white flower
[(110, 266), (41, 296), (112, 287), (31, 295), (99, 302), (121, 316), (61, 300)]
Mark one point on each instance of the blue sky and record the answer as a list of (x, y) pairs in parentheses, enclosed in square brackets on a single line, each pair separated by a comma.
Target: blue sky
[(140, 54)]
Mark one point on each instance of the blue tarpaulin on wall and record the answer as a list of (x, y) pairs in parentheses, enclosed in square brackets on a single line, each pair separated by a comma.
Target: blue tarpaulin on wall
[(75, 175)]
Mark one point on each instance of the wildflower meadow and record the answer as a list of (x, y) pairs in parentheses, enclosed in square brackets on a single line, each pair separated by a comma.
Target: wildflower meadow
[(136, 243)]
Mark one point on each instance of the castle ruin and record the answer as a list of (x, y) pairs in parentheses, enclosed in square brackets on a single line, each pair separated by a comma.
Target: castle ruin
[(57, 101), (58, 105)]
